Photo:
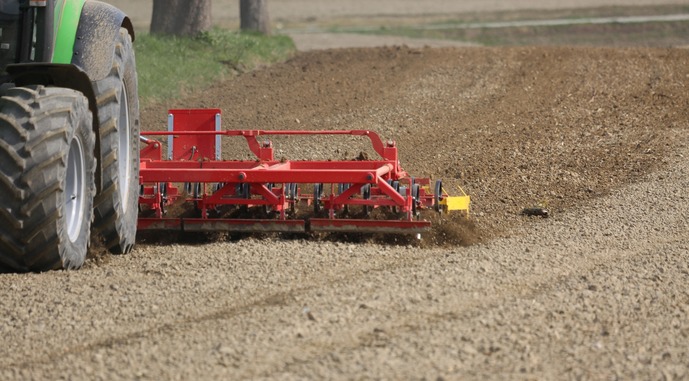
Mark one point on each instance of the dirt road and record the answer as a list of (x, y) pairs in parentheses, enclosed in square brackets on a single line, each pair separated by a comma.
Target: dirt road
[(315, 12), (597, 291)]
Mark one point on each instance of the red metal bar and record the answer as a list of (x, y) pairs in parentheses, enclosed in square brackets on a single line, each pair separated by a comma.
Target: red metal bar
[(285, 226), (216, 175), (222, 225), (252, 135)]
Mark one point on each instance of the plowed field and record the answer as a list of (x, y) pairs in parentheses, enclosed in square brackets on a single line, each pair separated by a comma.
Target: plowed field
[(516, 127), (596, 291)]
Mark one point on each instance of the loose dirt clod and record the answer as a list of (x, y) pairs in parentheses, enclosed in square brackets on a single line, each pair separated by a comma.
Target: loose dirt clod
[(536, 211), (451, 230)]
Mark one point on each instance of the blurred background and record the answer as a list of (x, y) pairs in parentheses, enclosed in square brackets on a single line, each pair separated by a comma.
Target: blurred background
[(170, 66), (476, 22)]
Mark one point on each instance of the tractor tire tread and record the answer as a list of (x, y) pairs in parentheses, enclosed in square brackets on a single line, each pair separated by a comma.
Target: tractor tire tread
[(116, 224), (36, 133)]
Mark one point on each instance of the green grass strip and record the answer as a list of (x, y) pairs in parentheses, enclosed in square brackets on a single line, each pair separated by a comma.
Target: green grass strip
[(171, 66)]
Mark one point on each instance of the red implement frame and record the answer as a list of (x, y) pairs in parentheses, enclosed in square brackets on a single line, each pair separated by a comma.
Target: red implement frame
[(266, 195)]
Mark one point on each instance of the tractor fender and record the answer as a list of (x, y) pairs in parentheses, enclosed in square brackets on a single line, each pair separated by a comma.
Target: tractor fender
[(94, 45)]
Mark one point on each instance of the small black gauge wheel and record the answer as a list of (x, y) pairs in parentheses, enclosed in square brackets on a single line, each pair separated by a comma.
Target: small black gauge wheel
[(317, 194), (162, 188), (366, 195), (438, 196), (396, 186), (291, 191), (415, 190)]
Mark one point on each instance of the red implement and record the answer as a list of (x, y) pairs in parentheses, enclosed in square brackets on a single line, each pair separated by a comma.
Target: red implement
[(266, 195)]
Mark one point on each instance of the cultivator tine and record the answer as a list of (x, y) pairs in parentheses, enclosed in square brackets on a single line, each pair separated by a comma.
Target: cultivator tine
[(268, 195)]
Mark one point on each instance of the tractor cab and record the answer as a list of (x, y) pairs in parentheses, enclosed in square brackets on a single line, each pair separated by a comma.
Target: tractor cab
[(26, 31), (9, 31)]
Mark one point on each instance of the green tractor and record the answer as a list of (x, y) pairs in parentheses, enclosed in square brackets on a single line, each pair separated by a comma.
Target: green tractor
[(69, 132)]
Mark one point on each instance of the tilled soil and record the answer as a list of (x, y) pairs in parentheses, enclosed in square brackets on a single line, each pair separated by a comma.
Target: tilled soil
[(515, 127), (596, 291)]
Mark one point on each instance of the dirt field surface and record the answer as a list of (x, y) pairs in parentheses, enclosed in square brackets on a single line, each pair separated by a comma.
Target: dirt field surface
[(319, 41), (596, 291)]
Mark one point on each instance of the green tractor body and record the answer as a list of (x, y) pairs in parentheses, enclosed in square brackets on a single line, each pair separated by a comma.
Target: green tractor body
[(56, 21), (69, 131)]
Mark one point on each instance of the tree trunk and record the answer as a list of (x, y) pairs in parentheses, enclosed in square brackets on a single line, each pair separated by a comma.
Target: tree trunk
[(253, 16), (180, 17)]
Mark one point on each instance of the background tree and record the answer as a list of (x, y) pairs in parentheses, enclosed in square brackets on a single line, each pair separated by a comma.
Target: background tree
[(180, 17), (253, 16)]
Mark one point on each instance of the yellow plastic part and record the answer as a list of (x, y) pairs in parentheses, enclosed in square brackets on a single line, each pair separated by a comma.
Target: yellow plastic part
[(461, 203), (456, 202), (453, 203)]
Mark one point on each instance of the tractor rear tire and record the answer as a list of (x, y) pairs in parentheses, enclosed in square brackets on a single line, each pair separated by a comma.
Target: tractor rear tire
[(47, 168), (116, 209)]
